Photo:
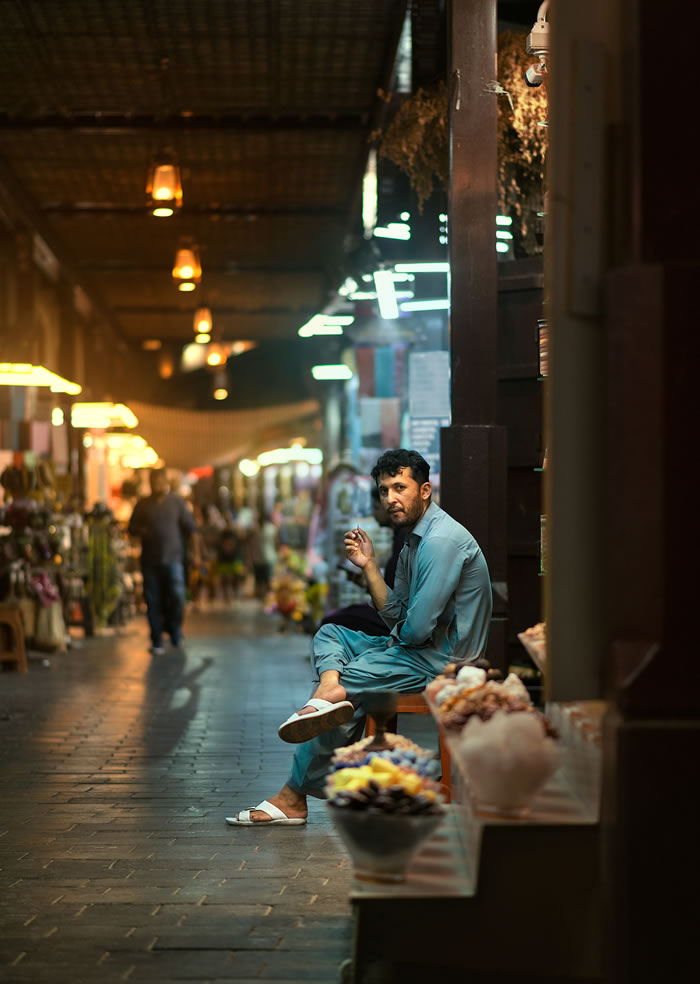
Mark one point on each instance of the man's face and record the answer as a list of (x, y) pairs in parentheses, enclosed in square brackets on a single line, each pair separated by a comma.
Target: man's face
[(404, 499)]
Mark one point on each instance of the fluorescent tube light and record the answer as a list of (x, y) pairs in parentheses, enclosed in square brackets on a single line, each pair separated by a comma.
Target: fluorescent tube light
[(283, 456), (386, 295), (422, 267), (339, 371), (437, 305), (393, 231), (325, 324), (25, 374), (102, 415)]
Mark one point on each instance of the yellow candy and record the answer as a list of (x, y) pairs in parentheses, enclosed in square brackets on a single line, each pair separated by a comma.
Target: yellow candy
[(411, 782), (351, 778), (383, 769)]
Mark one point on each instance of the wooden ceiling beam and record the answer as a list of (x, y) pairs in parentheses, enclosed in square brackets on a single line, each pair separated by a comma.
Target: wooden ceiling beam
[(223, 310), (225, 211), (100, 124)]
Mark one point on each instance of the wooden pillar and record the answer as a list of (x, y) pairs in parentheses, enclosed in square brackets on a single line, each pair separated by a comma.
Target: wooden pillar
[(473, 448), (652, 741)]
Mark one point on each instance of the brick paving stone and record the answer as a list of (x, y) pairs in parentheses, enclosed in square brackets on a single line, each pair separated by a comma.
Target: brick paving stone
[(115, 861)]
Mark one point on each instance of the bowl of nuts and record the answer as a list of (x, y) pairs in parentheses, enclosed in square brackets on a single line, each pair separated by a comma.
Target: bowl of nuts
[(384, 805)]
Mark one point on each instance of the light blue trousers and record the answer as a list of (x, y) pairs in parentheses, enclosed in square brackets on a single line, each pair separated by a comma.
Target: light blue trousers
[(366, 663)]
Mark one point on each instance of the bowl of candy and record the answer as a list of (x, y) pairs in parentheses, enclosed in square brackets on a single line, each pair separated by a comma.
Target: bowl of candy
[(384, 805)]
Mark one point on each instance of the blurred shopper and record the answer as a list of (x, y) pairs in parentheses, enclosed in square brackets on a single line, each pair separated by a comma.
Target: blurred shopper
[(230, 567), (262, 547), (164, 524), (202, 576)]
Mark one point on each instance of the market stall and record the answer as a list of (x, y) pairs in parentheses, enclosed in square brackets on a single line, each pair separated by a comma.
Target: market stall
[(59, 566)]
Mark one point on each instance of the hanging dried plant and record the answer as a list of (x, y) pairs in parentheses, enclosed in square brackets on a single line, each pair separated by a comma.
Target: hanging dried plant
[(522, 141), (417, 140)]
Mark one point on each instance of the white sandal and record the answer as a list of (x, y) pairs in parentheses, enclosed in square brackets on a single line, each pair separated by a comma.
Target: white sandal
[(303, 727), (277, 817)]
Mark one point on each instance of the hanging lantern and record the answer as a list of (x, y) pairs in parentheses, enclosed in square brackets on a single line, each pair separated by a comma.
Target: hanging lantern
[(202, 321), (187, 270), (220, 385), (165, 188), (216, 355)]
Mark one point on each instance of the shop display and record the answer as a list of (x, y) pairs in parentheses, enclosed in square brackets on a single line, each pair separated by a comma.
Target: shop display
[(58, 566), (461, 692), (288, 589), (507, 759), (503, 745), (384, 805), (534, 641)]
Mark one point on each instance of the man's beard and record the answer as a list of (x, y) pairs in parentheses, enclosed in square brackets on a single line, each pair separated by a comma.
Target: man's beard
[(402, 518)]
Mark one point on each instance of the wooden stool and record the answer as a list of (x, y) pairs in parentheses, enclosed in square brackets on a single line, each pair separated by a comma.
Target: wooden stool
[(16, 653), (415, 704)]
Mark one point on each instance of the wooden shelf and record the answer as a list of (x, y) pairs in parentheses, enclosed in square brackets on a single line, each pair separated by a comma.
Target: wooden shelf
[(485, 877)]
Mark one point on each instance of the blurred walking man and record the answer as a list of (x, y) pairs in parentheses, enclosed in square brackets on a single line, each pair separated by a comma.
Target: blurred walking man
[(163, 523)]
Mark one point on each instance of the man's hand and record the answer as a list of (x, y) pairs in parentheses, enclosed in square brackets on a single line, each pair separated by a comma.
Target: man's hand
[(359, 548), (360, 552)]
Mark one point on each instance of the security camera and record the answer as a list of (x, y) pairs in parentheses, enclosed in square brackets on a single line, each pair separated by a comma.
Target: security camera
[(534, 75), (537, 42)]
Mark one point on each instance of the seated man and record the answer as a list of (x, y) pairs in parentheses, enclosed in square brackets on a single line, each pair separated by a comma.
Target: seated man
[(438, 611)]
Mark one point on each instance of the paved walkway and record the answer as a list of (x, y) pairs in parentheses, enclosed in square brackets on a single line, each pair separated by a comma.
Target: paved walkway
[(115, 861)]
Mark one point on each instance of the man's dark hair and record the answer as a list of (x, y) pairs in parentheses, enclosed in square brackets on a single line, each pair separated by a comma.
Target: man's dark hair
[(391, 462)]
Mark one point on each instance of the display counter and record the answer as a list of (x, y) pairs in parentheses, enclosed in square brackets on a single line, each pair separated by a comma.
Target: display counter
[(500, 900)]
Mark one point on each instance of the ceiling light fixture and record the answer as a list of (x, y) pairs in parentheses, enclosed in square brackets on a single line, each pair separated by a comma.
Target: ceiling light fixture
[(439, 304), (422, 267), (187, 269), (238, 348), (325, 324), (386, 295), (24, 374), (283, 456), (102, 415), (164, 186), (395, 230), (202, 321), (326, 372), (248, 467), (220, 383), (202, 338)]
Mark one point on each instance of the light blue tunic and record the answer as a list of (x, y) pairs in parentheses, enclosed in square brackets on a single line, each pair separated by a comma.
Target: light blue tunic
[(439, 610)]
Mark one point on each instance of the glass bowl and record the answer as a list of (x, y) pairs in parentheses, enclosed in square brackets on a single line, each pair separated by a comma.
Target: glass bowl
[(381, 845)]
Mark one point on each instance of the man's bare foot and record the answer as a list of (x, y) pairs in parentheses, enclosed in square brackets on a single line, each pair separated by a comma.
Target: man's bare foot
[(333, 692), (291, 803)]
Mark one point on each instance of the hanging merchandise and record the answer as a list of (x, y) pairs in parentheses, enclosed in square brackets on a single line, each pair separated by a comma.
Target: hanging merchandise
[(103, 576), (50, 627)]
